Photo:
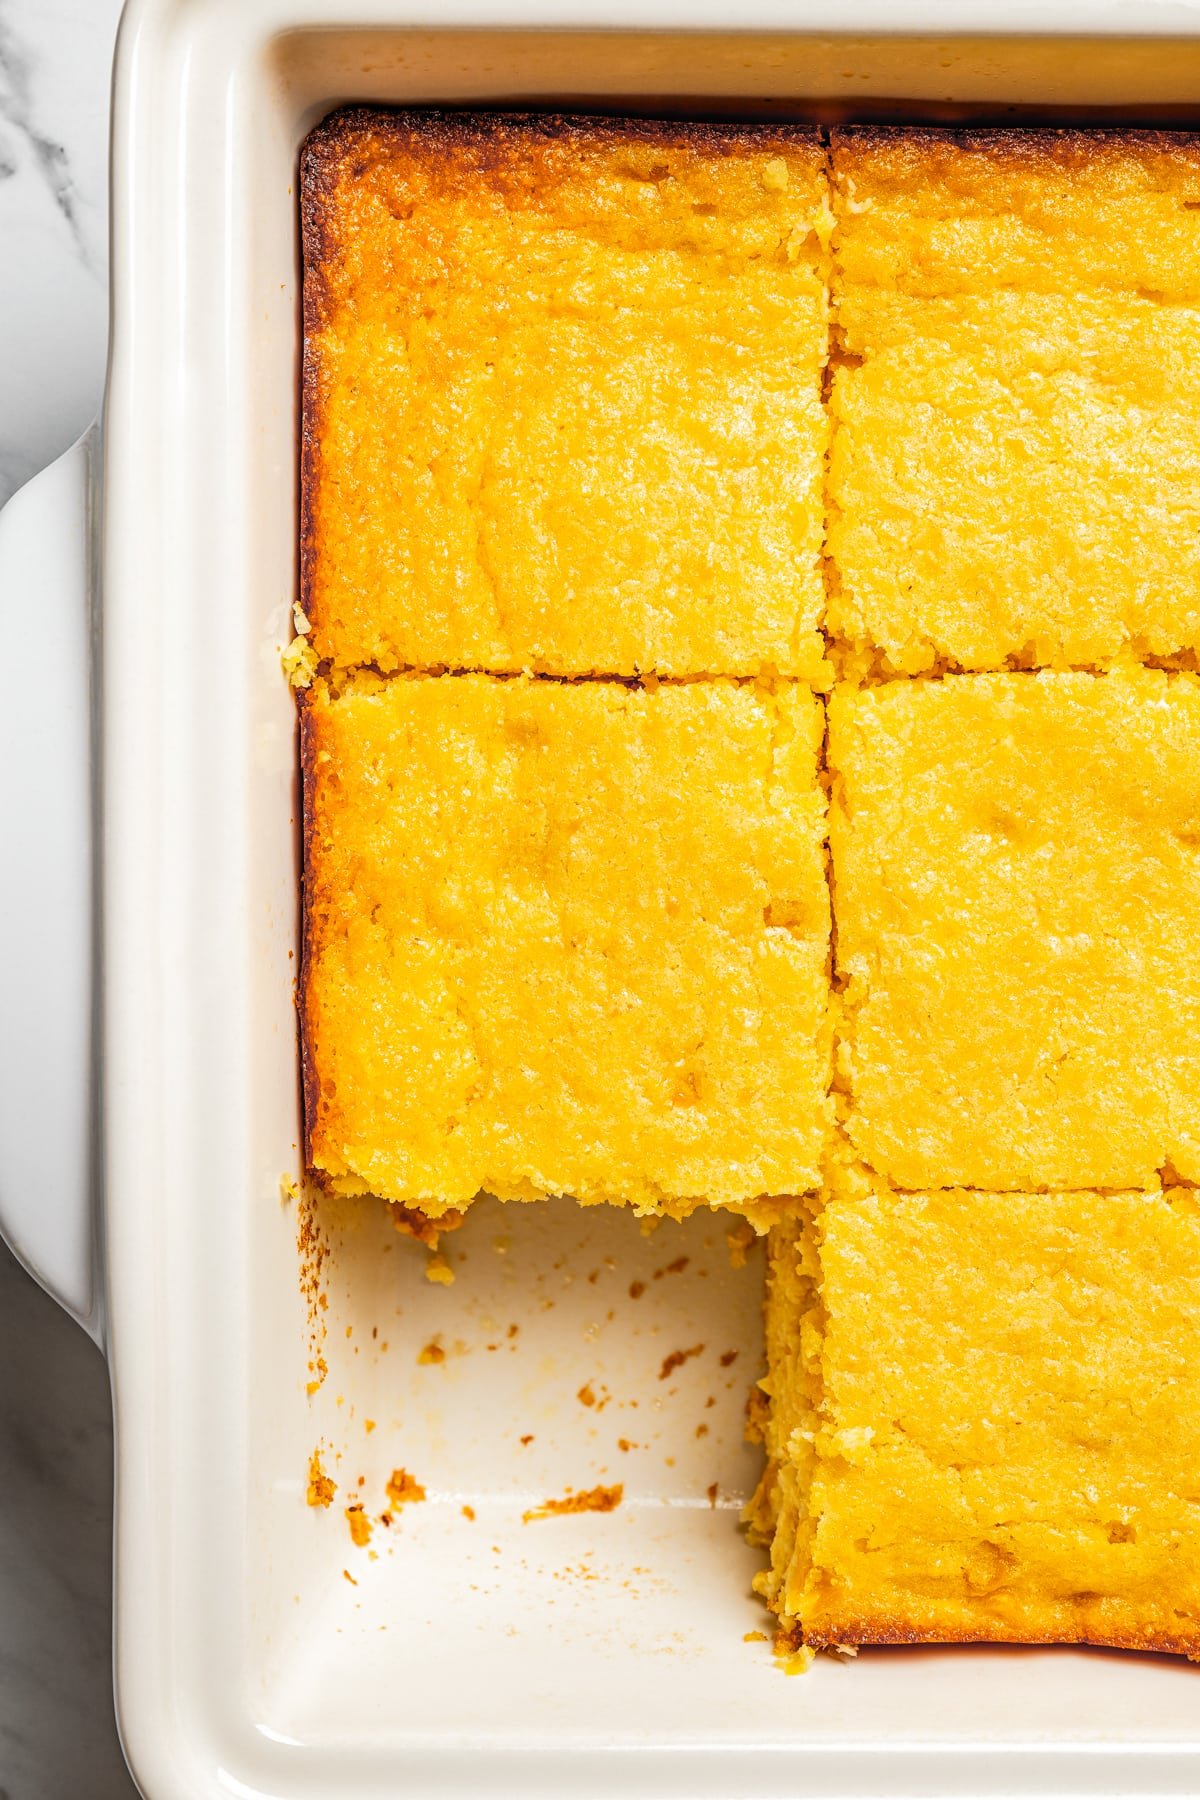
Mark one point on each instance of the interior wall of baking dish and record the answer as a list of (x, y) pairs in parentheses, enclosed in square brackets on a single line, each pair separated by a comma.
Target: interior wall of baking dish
[(260, 1651)]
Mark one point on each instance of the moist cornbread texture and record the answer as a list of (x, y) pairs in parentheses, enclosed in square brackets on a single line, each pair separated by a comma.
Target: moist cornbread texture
[(1014, 474), (988, 1422), (564, 938), (562, 404), (1016, 868)]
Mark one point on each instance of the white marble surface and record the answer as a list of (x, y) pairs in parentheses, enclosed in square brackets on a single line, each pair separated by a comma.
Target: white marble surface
[(57, 1737)]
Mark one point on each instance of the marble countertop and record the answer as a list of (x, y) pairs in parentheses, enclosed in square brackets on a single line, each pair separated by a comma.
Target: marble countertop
[(57, 1736)]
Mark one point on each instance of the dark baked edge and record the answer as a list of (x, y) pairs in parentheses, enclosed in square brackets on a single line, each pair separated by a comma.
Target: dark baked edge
[(1027, 143), (883, 1631), (448, 127), (310, 1085)]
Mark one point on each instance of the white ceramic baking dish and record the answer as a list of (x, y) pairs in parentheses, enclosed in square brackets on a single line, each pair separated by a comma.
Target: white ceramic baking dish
[(148, 1091)]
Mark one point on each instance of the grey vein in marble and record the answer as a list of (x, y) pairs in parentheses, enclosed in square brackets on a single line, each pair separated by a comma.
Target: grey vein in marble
[(50, 159)]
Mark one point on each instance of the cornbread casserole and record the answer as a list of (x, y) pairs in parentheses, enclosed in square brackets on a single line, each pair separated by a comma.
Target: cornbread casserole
[(562, 394), (1016, 870), (985, 1419), (612, 430), (1015, 410), (565, 938)]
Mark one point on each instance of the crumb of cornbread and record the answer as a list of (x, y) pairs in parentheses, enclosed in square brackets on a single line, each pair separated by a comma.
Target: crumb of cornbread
[(403, 1489), (300, 662), (321, 1489), (564, 938), (987, 1419), (596, 1499), (1016, 871), (1017, 404), (359, 1524), (562, 394)]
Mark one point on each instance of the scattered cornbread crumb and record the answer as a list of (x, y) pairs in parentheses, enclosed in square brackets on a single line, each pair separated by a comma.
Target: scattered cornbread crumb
[(438, 1269), (672, 1268), (360, 1525), (741, 1240), (795, 1662), (300, 662), (313, 1248), (321, 1488), (403, 1488), (432, 1353), (596, 1499), (468, 1512), (289, 1188), (676, 1359)]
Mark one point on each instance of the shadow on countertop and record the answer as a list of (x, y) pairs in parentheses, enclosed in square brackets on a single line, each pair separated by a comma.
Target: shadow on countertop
[(57, 1732)]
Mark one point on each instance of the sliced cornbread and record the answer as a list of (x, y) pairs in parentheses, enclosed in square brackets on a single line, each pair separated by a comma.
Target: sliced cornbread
[(562, 402), (987, 1422), (1016, 867), (564, 938), (1013, 470)]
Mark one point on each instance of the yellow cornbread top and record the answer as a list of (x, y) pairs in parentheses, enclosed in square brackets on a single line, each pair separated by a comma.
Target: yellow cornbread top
[(562, 394), (564, 938), (1014, 413), (1016, 866), (932, 213), (1004, 1416)]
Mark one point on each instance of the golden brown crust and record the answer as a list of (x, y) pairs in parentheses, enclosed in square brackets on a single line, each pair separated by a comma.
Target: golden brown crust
[(881, 1632), (1068, 146), (309, 1079), (492, 136)]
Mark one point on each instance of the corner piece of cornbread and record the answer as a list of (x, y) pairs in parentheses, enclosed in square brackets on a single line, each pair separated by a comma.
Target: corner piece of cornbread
[(985, 1420), (1014, 479), (562, 394), (1016, 877), (564, 938)]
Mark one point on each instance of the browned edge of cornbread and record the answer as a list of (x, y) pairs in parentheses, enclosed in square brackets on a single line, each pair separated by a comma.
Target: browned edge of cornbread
[(491, 135), (1045, 145), (309, 1080), (882, 1632)]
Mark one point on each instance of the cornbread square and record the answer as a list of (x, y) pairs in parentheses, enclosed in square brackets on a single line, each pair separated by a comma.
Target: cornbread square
[(1013, 474), (985, 1422), (1016, 864), (562, 394), (564, 938)]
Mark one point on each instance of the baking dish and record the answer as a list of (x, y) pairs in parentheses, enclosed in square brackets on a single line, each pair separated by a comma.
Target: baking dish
[(148, 1106)]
